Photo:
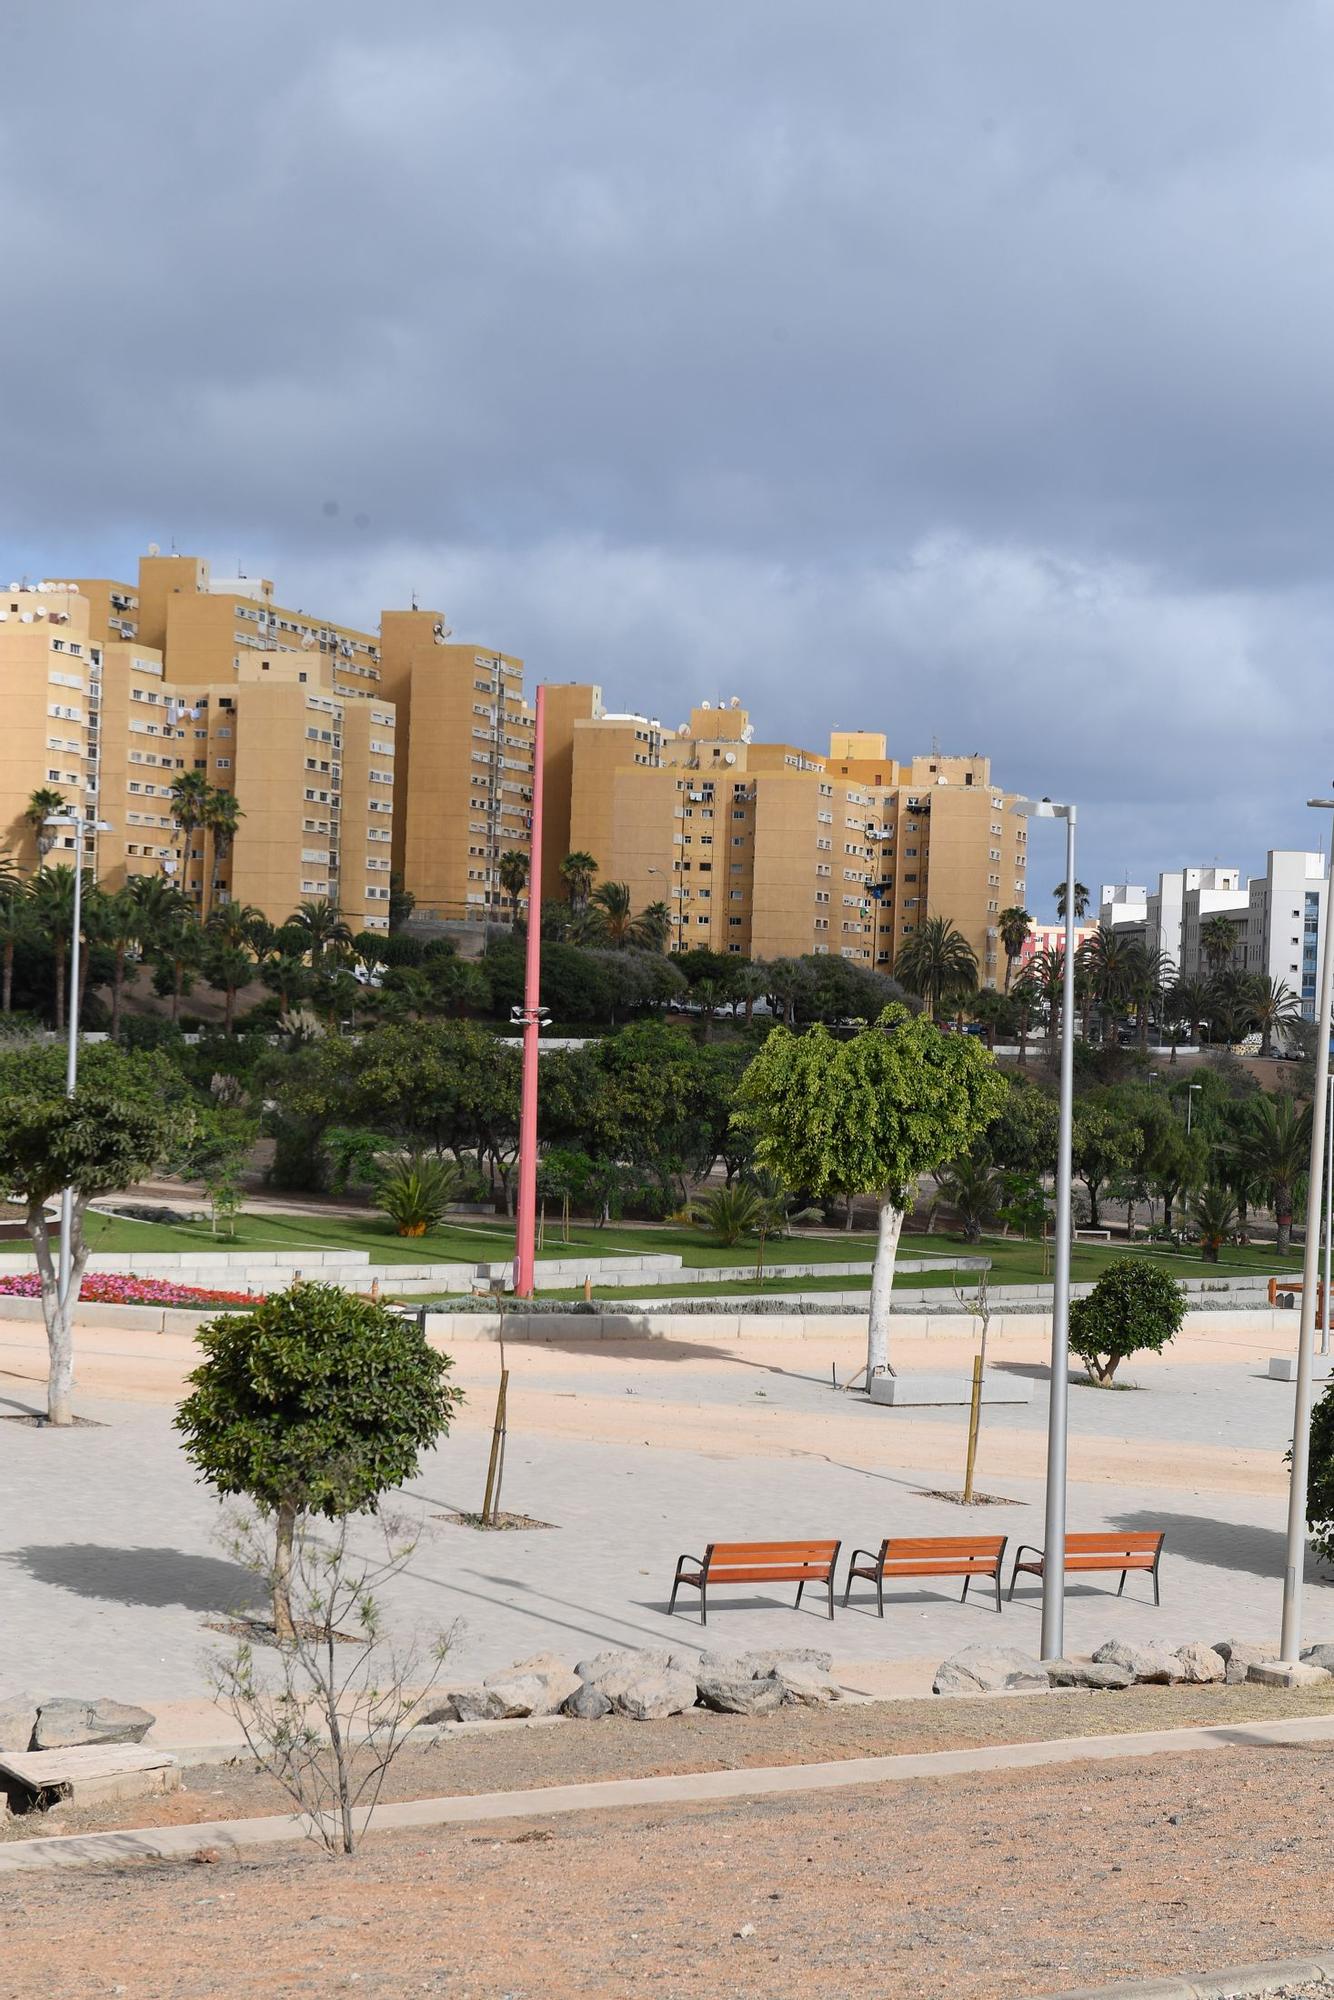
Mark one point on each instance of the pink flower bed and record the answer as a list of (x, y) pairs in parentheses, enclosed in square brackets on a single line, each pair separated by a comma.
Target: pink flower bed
[(109, 1288)]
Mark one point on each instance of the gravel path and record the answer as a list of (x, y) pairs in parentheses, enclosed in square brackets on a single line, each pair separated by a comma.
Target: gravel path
[(978, 1889)]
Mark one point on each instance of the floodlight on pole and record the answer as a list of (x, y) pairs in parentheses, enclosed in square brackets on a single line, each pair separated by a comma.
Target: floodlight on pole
[(1290, 1638), (83, 825), (1053, 1547)]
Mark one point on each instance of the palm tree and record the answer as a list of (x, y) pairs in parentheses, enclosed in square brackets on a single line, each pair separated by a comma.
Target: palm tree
[(53, 907), (936, 962), (169, 930), (222, 820), (1014, 925), (232, 927), (513, 872), (1218, 941), (191, 794), (1214, 1212), (230, 968), (1043, 980), (610, 911), (42, 805), (997, 1013), (1149, 975), (323, 924), (1274, 1141), (976, 1192), (121, 928), (1081, 900), (576, 872), (1109, 959), (16, 927), (1190, 1002), (285, 974), (1274, 1006), (652, 928)]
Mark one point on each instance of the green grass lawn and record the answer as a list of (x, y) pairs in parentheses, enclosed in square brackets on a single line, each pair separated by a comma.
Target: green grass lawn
[(1013, 1262)]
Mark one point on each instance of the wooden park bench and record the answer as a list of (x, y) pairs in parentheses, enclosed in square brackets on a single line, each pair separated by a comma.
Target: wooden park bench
[(1099, 1552), (757, 1562), (967, 1556)]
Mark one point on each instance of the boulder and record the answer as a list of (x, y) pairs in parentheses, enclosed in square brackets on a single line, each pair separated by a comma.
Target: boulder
[(1200, 1664), (486, 1704), (587, 1703), (65, 1724), (646, 1695), (768, 1660), (1319, 1656), (1146, 1663), (1240, 1655), (735, 1695), (555, 1683), (988, 1669), (18, 1719), (440, 1708), (1100, 1675), (807, 1687), (623, 1659)]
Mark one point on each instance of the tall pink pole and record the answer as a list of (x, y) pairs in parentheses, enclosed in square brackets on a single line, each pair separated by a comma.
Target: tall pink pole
[(525, 1231)]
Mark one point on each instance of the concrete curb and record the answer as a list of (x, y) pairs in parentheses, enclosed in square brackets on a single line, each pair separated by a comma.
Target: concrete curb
[(1243, 1982), (168, 1843)]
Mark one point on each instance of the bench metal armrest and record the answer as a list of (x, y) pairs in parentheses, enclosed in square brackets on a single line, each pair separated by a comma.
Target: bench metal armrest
[(872, 1556), (697, 1560), (1027, 1548)]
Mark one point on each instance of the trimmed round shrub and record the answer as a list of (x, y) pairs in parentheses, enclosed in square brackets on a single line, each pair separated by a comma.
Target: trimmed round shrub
[(1134, 1308)]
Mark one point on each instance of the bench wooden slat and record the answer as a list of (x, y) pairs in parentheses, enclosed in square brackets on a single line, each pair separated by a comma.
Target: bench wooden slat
[(946, 1566), (978, 1545), (747, 1551), (768, 1573)]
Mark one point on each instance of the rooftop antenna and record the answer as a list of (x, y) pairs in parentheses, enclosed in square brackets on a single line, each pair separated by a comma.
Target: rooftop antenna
[(415, 605)]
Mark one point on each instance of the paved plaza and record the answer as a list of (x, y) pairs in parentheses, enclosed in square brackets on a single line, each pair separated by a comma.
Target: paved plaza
[(111, 1569)]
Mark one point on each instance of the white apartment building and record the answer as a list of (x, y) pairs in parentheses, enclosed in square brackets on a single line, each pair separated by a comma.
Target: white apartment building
[(1276, 917)]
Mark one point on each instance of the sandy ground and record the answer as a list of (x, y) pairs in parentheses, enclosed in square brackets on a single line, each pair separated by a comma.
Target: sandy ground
[(977, 1889)]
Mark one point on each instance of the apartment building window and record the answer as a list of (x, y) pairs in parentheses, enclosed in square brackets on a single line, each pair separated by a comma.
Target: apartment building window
[(222, 764)]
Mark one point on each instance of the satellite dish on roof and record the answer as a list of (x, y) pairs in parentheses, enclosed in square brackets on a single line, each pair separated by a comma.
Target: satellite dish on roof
[(153, 549), (442, 631), (729, 756), (735, 702), (706, 704)]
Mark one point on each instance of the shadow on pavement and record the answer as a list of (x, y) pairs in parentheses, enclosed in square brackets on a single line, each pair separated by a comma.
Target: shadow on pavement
[(1221, 1544), (157, 1577)]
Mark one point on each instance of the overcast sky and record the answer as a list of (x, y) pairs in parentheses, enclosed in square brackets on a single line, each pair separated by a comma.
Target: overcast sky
[(957, 368)]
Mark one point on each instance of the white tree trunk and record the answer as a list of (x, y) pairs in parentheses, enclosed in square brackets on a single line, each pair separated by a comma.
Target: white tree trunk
[(882, 1286), (58, 1314)]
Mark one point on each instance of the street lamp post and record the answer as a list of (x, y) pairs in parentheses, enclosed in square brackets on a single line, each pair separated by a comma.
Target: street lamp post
[(81, 824), (531, 1015), (1191, 1089), (1290, 1640), (1053, 1556)]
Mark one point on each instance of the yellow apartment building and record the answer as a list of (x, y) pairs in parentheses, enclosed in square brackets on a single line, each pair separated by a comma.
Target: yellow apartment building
[(769, 850), (465, 765)]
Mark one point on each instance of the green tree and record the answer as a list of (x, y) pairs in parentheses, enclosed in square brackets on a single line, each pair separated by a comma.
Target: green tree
[(315, 1402), (119, 1125), (1111, 962), (17, 927), (1105, 1146), (1081, 901), (1274, 1009), (1214, 1212), (728, 1213), (1014, 924), (869, 1115), (936, 962), (121, 930), (415, 1191), (53, 910), (513, 872), (975, 1190), (1134, 1308), (191, 796), (996, 1013), (322, 925), (609, 916), (1218, 941), (222, 823)]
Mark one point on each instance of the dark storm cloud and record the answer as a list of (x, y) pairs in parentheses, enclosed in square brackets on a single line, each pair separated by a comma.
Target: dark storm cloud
[(961, 370)]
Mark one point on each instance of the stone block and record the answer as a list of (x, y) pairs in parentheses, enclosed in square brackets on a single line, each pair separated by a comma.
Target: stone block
[(476, 1703), (648, 1696), (1094, 1674), (544, 1688), (989, 1670), (807, 1687), (1240, 1655), (65, 1724), (622, 1659), (87, 1773), (766, 1660), (1287, 1674), (917, 1390), (1201, 1664)]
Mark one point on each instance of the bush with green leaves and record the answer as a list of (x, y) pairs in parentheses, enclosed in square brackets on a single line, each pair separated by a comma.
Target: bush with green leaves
[(415, 1192), (728, 1213), (1320, 1477), (315, 1402), (1134, 1308)]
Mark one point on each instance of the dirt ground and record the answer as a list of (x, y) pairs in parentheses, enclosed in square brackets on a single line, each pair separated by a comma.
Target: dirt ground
[(515, 1759), (986, 1888)]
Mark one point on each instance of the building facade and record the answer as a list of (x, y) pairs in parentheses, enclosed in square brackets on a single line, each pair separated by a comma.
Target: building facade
[(1275, 919)]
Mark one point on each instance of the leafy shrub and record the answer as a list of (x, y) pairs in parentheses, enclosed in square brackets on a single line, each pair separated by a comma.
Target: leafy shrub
[(729, 1213), (1214, 1213), (149, 1031), (1134, 1308), (416, 1191)]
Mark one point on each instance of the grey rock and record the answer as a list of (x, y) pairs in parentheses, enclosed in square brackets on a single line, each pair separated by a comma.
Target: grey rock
[(587, 1704), (988, 1669), (807, 1687), (741, 1696), (479, 1704), (1241, 1655), (439, 1709), (646, 1696), (1146, 1663), (622, 1659), (522, 1695), (767, 1660), (1200, 1664), (544, 1688), (18, 1719), (64, 1724), (1101, 1675), (1319, 1656)]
